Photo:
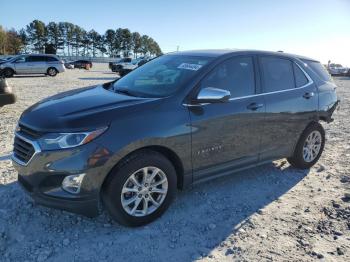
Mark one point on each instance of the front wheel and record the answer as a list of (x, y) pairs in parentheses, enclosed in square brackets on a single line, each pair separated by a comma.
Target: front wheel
[(8, 72), (309, 147), (140, 189)]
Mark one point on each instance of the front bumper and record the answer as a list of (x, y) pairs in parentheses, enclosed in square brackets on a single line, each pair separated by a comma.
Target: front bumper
[(59, 199), (42, 177)]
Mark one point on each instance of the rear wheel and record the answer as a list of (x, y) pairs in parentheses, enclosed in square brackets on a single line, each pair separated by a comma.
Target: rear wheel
[(140, 189), (309, 147), (8, 72), (52, 71)]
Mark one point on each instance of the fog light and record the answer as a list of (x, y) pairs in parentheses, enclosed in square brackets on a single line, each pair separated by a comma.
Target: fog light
[(72, 183)]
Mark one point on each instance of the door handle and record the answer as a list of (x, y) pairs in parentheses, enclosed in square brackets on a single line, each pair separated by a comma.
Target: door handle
[(308, 95), (254, 106)]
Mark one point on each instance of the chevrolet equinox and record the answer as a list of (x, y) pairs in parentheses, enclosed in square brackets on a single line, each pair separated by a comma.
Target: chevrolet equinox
[(178, 120)]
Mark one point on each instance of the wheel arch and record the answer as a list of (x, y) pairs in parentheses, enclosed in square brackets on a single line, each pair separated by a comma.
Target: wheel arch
[(9, 68), (165, 151), (313, 121)]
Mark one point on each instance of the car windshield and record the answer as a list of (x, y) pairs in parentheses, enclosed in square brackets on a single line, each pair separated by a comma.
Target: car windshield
[(160, 77), (10, 59)]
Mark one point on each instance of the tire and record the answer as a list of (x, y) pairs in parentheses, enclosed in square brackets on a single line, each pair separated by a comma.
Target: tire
[(52, 71), (305, 159), (118, 68), (8, 72), (122, 178)]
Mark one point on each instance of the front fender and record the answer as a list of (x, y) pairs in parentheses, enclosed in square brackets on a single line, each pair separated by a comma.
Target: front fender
[(163, 126)]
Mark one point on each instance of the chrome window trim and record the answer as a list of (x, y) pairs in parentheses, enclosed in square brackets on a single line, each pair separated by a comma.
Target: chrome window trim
[(274, 92), (306, 74), (35, 146), (310, 82)]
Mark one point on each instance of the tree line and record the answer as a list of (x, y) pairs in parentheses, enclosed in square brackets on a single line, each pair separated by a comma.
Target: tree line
[(10, 42), (68, 39)]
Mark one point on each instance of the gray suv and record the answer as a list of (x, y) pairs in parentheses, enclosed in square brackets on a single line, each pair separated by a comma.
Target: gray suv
[(32, 64), (180, 119)]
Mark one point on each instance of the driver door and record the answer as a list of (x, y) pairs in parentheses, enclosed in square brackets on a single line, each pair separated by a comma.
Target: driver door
[(227, 135), (21, 65)]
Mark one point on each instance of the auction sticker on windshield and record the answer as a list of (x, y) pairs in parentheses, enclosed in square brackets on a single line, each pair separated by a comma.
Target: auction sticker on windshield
[(187, 66)]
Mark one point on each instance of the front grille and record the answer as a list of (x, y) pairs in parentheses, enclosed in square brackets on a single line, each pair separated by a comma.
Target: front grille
[(29, 131), (23, 150)]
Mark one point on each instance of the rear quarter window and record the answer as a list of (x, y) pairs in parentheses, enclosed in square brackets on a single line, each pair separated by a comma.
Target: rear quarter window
[(319, 69), (300, 78), (51, 59)]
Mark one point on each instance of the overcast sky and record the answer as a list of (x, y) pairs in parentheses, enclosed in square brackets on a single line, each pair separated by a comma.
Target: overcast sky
[(315, 28)]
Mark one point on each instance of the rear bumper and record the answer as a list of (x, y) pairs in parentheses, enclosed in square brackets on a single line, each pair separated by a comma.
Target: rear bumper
[(61, 69), (330, 111)]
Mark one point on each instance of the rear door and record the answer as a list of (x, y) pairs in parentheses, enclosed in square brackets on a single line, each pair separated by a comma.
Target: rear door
[(227, 135), (38, 64), (291, 103)]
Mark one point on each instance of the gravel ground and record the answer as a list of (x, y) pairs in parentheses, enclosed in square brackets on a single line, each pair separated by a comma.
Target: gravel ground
[(273, 212)]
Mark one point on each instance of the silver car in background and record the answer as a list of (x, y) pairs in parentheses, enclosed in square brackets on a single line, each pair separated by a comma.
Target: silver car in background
[(32, 64), (337, 70)]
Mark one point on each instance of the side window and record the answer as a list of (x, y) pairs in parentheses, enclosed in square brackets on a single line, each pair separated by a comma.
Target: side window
[(235, 75), (300, 78), (21, 59), (51, 59), (277, 74), (36, 59), (30, 59), (42, 59)]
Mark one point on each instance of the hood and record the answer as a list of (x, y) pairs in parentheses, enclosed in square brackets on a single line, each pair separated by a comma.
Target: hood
[(81, 109)]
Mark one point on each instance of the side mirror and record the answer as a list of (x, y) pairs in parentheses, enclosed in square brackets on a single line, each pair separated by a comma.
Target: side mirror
[(212, 95)]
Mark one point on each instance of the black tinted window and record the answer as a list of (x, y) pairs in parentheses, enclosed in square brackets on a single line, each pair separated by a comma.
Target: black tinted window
[(277, 74), (235, 75), (36, 59), (300, 78), (51, 59), (318, 69)]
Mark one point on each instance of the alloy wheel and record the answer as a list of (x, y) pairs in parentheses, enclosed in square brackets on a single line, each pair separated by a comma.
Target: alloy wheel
[(144, 191), (52, 72), (312, 146)]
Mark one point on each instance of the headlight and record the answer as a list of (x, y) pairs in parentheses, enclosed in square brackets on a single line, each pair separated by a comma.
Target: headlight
[(54, 141)]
